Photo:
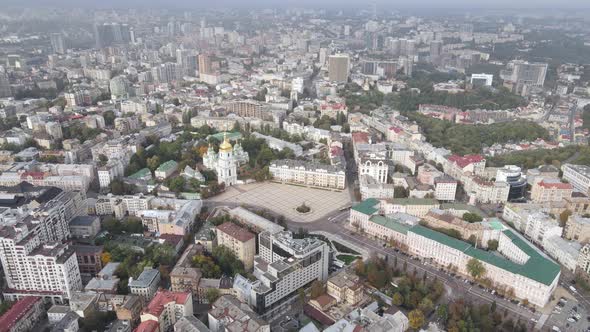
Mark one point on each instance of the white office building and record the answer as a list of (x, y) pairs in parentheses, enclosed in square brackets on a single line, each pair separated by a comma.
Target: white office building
[(520, 270), (283, 266), (578, 176)]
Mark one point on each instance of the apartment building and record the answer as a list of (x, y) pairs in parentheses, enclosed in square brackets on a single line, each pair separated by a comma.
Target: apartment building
[(345, 288), (131, 204), (484, 191), (578, 205), (578, 176), (22, 315), (239, 240), (550, 190), (165, 309), (370, 188), (114, 169), (583, 263), (308, 173), (229, 314), (249, 109), (456, 166), (35, 266), (185, 279), (50, 221), (564, 251), (89, 260), (63, 182), (539, 226), (577, 228), (445, 188), (146, 284), (428, 173)]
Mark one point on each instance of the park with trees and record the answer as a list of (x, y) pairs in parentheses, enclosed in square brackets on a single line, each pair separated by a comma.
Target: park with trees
[(467, 139)]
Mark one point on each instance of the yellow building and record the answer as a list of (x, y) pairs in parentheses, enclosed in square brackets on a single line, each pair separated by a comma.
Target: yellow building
[(345, 287), (239, 240)]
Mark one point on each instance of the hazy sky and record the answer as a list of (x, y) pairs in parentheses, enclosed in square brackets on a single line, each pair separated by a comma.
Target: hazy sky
[(430, 4)]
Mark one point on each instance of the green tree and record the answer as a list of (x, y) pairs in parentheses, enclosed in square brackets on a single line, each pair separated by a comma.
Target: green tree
[(472, 217), (301, 295), (153, 163), (317, 289), (563, 217), (399, 192), (398, 299), (109, 118), (443, 312), (118, 187), (586, 117), (416, 318), (212, 295), (112, 225), (133, 225), (177, 184), (346, 128), (426, 305), (97, 321), (360, 268), (261, 95), (208, 267), (227, 261), (4, 306), (493, 245), (476, 268)]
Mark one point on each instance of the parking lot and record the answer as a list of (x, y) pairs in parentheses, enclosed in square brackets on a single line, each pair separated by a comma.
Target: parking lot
[(284, 199), (567, 315)]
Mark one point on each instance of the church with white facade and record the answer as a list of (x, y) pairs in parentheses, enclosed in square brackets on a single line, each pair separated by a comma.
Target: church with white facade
[(226, 161)]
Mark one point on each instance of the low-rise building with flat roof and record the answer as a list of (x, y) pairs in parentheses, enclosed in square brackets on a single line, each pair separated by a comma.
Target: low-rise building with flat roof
[(229, 314), (84, 226)]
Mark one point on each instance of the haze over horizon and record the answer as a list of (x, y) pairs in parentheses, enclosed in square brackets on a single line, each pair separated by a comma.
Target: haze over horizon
[(328, 4)]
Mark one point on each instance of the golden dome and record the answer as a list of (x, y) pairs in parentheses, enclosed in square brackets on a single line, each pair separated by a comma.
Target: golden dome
[(225, 146)]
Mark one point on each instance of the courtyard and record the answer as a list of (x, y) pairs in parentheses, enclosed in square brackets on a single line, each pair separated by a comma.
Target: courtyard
[(285, 198)]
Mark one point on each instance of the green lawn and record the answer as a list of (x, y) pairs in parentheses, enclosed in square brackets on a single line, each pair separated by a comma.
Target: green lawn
[(347, 259)]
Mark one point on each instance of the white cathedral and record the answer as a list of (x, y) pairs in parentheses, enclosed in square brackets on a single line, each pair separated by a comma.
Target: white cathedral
[(226, 161)]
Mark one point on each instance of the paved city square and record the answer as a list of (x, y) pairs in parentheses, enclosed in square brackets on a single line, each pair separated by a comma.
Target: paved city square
[(285, 198)]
